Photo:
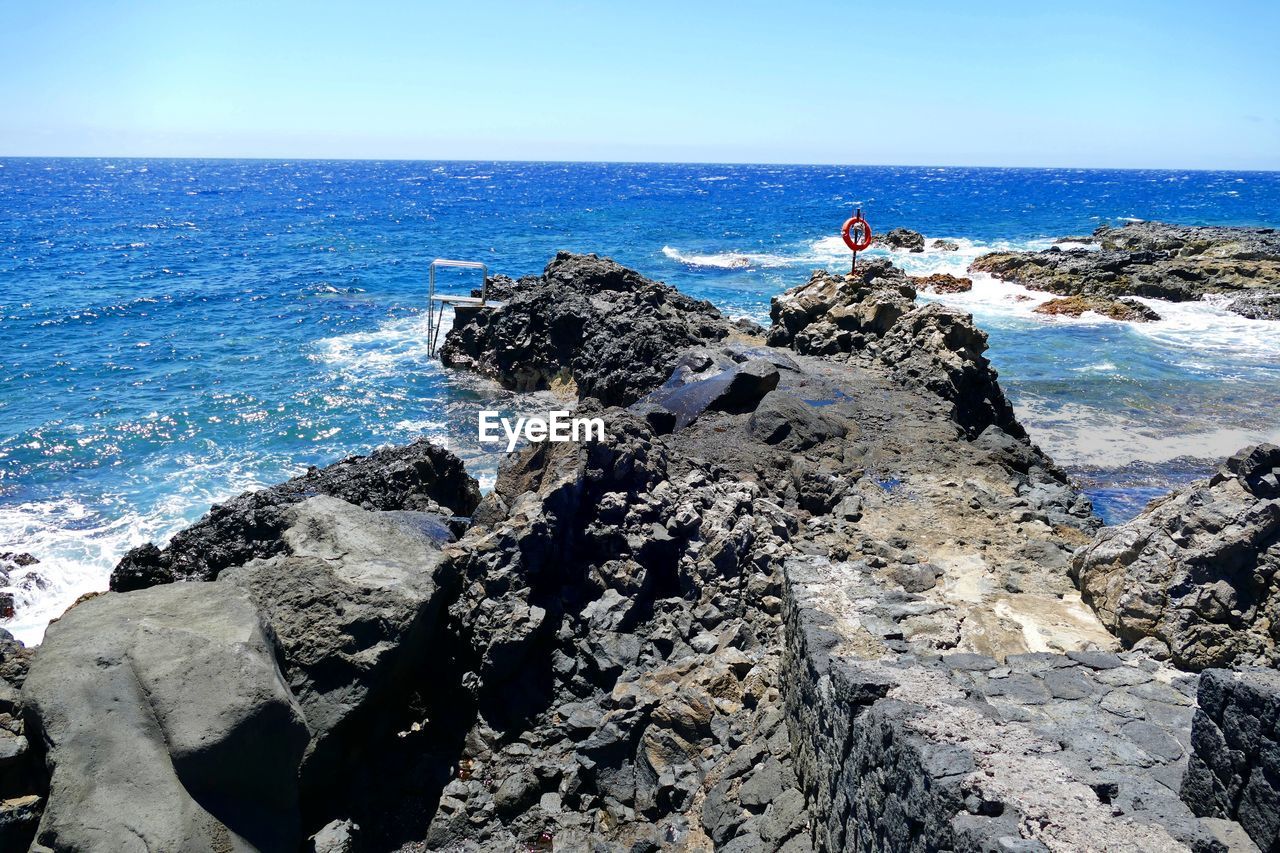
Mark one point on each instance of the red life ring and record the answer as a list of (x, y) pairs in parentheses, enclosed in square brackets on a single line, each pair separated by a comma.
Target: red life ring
[(845, 232)]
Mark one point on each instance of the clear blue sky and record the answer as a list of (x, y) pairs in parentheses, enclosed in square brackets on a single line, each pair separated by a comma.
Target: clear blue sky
[(1119, 83)]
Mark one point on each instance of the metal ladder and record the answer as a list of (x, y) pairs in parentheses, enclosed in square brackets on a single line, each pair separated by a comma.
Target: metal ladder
[(436, 318)]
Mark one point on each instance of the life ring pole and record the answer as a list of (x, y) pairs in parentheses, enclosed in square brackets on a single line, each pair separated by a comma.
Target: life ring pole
[(849, 232)]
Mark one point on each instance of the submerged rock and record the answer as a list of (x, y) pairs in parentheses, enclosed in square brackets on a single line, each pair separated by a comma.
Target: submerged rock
[(1197, 570), (1156, 260), (420, 476), (943, 283), (1116, 309)]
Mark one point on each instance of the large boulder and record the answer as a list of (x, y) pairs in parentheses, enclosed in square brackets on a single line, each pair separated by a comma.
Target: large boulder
[(355, 606), (421, 476), (167, 725), (586, 322), (1196, 570)]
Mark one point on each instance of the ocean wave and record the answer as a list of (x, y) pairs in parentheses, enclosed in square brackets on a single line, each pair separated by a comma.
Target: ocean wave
[(1207, 327), (387, 350), (727, 260), (77, 547)]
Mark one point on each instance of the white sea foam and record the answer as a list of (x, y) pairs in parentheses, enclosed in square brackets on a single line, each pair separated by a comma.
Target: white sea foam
[(728, 260), (386, 350)]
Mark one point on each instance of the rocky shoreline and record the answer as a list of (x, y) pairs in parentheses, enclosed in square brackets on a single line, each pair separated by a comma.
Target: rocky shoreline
[(814, 590), (1176, 263)]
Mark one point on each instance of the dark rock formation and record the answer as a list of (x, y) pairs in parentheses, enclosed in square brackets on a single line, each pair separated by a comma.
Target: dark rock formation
[(421, 477), (20, 777), (241, 708), (166, 724), (1152, 259), (945, 245), (805, 596), (873, 316), (1235, 752), (1197, 570), (902, 238), (1117, 309), (608, 330), (1257, 306), (942, 283)]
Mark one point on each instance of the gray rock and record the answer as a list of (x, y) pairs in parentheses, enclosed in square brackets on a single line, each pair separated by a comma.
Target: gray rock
[(201, 747), (1198, 570)]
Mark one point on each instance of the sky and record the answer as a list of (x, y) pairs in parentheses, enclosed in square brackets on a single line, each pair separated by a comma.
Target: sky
[(1125, 83)]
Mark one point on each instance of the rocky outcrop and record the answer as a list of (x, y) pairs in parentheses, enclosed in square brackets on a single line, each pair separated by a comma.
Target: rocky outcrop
[(1235, 752), (608, 331), (417, 477), (1116, 309), (167, 726), (945, 245), (242, 708), (873, 316), (1156, 260), (1194, 576), (902, 238), (811, 595), (942, 283)]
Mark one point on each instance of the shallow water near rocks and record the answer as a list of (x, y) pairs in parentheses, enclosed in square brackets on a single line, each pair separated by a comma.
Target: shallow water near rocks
[(178, 331)]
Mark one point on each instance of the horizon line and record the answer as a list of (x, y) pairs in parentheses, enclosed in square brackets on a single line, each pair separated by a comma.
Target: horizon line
[(354, 159)]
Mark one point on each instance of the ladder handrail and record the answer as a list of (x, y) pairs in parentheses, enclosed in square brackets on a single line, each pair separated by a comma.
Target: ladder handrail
[(433, 327)]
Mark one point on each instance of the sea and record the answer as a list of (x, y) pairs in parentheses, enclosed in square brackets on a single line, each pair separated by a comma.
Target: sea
[(174, 332)]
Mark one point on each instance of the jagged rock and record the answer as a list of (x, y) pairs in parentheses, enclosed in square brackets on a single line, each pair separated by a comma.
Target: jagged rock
[(1197, 570), (1257, 306), (945, 245), (1157, 260), (1235, 752), (420, 476), (943, 283), (339, 836), (612, 332), (167, 724), (874, 313), (902, 238), (1117, 309)]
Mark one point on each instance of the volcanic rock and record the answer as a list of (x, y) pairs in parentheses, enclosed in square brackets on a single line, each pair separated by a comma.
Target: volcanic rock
[(1156, 260), (1116, 309), (943, 283), (421, 476), (611, 332), (1197, 570), (902, 238), (167, 724)]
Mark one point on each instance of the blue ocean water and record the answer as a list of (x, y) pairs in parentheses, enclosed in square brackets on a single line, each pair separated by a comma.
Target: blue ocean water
[(175, 331)]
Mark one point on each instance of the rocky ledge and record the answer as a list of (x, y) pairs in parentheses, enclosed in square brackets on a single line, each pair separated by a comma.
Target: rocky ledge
[(1196, 576), (810, 592), (1155, 260)]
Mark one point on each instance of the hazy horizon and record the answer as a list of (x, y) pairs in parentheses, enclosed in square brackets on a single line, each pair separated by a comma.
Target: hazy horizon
[(1145, 86)]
